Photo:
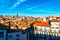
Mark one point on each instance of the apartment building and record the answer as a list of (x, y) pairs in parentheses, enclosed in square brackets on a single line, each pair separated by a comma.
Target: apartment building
[(46, 27), (55, 25), (40, 26), (3, 34), (17, 35)]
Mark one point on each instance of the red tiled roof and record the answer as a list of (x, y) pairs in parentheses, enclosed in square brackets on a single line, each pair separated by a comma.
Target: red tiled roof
[(57, 17), (40, 23), (54, 20)]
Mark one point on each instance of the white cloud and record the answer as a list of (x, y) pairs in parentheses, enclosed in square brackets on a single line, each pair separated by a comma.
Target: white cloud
[(17, 3), (31, 8), (47, 3), (21, 0), (43, 10), (47, 11)]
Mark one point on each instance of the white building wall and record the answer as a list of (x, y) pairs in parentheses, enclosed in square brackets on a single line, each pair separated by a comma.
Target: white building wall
[(52, 30), (50, 19), (48, 29), (57, 30), (54, 26), (39, 28), (13, 28), (44, 19), (43, 28)]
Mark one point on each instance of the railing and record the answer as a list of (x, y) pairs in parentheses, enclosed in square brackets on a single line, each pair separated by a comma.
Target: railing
[(47, 33)]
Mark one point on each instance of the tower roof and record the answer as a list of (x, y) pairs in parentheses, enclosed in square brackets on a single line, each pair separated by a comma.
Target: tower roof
[(17, 14)]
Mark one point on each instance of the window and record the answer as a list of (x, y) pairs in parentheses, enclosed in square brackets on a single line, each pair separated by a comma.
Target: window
[(57, 27), (52, 27), (10, 36), (17, 35), (1, 34), (39, 28), (17, 39)]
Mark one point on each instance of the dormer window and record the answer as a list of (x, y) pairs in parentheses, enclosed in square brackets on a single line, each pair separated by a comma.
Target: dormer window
[(57, 27)]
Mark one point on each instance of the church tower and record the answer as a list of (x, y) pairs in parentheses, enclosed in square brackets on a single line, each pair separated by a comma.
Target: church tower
[(17, 14)]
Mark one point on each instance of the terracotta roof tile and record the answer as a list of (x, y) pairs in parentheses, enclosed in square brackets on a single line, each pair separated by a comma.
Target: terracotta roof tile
[(57, 17), (40, 23), (54, 20), (13, 25)]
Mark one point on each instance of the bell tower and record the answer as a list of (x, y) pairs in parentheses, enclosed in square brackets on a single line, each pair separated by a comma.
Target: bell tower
[(17, 14)]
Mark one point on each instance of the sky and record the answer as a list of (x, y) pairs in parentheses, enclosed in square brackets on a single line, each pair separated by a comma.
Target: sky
[(30, 7)]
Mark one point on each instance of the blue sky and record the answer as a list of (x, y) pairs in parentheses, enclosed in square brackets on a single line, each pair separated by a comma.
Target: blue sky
[(30, 7)]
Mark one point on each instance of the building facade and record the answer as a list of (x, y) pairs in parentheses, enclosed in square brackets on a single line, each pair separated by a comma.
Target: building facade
[(41, 27), (17, 36), (3, 34), (55, 26)]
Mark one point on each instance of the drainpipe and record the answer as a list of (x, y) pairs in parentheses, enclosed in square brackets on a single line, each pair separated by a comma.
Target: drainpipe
[(59, 29), (50, 25), (17, 27), (9, 25), (59, 26)]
